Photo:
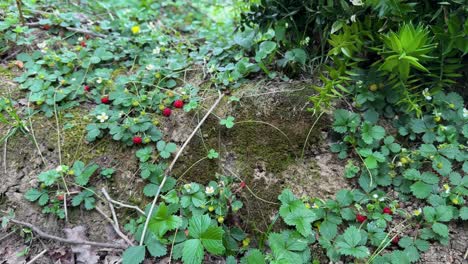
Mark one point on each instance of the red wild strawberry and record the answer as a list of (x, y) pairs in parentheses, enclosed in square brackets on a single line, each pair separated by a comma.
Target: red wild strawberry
[(137, 140), (166, 112), (46, 27), (178, 103), (87, 36), (60, 197), (388, 211), (242, 184), (395, 240), (86, 88), (361, 218), (83, 44), (105, 100)]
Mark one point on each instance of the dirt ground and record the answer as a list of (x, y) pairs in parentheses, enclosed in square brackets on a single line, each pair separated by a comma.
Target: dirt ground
[(265, 148)]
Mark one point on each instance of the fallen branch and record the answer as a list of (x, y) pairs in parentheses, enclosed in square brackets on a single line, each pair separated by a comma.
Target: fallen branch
[(169, 169), (37, 257), (77, 30), (126, 205), (116, 220), (42, 234)]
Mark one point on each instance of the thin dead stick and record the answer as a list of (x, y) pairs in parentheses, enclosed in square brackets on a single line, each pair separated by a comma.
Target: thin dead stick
[(126, 205), (33, 135), (169, 169), (116, 220), (7, 235), (116, 227), (42, 234), (37, 257), (77, 30)]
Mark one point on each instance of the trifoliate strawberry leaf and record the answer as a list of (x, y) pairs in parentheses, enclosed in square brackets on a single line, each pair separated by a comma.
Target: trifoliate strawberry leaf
[(165, 149), (212, 154), (464, 213), (82, 178), (133, 255), (351, 170), (288, 247), (228, 122), (48, 177), (253, 256), (85, 197), (348, 244), (155, 248), (163, 220), (33, 194), (421, 244), (345, 120), (212, 240), (421, 190), (43, 199), (192, 252), (206, 236), (93, 132), (440, 229), (302, 220), (328, 230), (144, 154), (369, 133)]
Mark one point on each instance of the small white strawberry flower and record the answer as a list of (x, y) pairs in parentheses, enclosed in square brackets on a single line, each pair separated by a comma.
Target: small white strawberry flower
[(356, 2), (209, 190), (375, 196), (59, 168), (427, 94), (156, 50), (465, 113), (353, 18), (187, 187), (80, 39), (417, 212), (99, 80), (102, 117), (150, 67)]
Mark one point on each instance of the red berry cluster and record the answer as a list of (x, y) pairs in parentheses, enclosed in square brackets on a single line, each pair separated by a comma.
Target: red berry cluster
[(361, 218), (177, 104), (105, 100), (387, 210), (137, 140)]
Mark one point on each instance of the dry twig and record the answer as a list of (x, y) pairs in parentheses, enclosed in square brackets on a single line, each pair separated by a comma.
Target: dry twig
[(43, 234)]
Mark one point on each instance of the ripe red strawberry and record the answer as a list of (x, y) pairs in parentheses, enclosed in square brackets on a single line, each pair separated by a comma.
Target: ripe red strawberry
[(178, 103), (86, 88), (60, 197), (46, 27), (242, 184), (167, 112), (137, 140), (361, 218), (395, 240), (388, 211), (105, 100), (87, 36), (83, 44)]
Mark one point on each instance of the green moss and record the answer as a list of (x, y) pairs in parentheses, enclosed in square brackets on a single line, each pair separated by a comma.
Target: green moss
[(262, 142)]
